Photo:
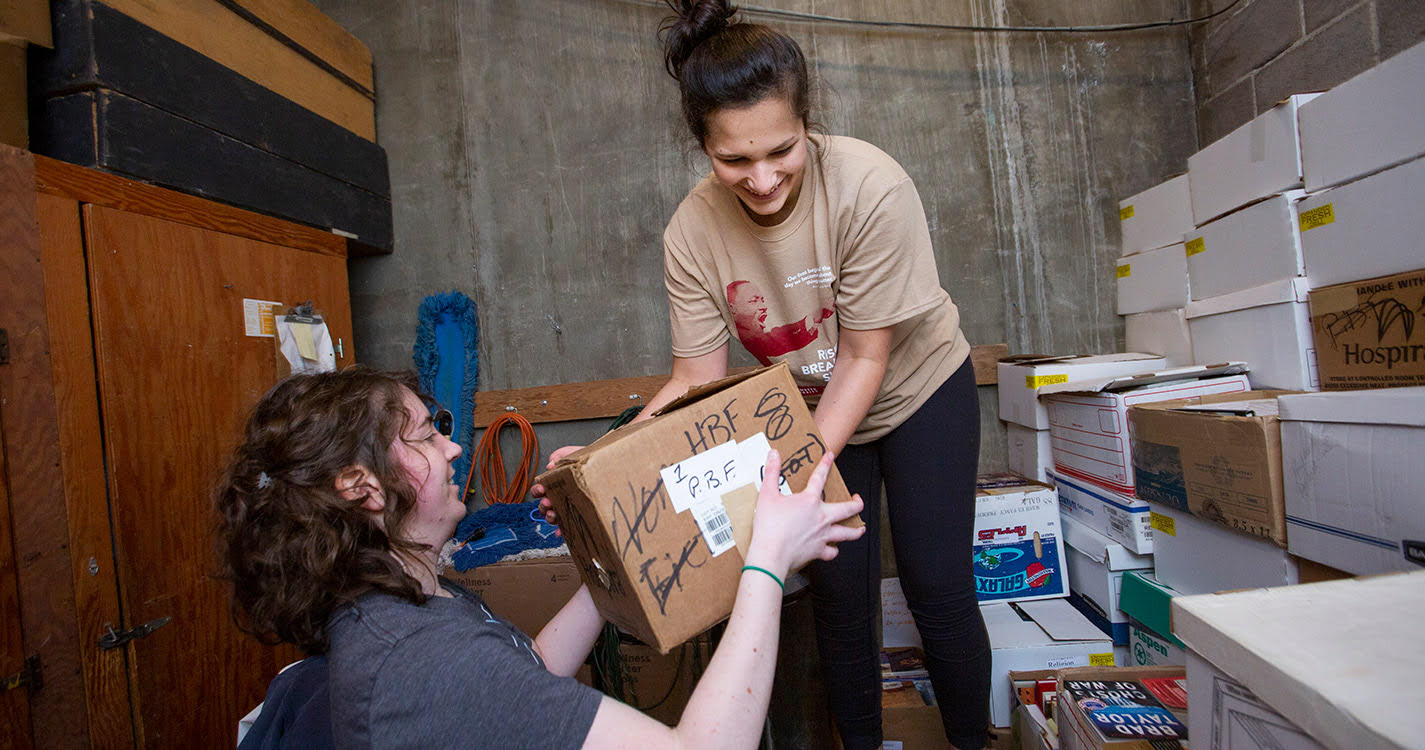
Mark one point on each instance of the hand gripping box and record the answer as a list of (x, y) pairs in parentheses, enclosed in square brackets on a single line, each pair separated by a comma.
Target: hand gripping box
[(658, 513)]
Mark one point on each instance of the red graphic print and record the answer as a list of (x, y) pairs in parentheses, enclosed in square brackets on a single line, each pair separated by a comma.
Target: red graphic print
[(749, 313)]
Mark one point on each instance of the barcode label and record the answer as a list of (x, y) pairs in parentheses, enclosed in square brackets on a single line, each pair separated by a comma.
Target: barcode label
[(716, 526)]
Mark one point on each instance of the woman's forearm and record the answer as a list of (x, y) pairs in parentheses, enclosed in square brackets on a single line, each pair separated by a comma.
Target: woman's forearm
[(565, 641)]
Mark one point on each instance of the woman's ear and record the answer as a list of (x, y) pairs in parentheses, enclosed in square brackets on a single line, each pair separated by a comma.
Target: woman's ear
[(358, 483)]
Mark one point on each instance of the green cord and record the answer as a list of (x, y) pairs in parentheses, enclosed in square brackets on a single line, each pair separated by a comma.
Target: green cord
[(768, 572)]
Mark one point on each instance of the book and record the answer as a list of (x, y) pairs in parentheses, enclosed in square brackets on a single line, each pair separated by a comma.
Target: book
[(1124, 710)]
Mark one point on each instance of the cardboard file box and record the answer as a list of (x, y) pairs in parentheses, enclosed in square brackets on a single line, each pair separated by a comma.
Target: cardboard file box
[(1337, 659), (1219, 458), (1236, 719), (1096, 568), (1369, 334), (1019, 546), (1164, 332), (528, 593), (1088, 420), (1195, 556), (1252, 246), (1029, 453), (1148, 649), (1047, 634), (1021, 376), (1354, 468), (1367, 123), (1157, 216), (662, 556), (1258, 159), (1364, 229), (1268, 327), (1152, 280), (1122, 518)]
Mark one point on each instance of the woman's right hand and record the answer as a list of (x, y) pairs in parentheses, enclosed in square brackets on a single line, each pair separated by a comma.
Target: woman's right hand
[(538, 489), (790, 531)]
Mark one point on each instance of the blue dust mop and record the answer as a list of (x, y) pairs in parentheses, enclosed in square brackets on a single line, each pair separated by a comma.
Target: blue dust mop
[(447, 359), (491, 534)]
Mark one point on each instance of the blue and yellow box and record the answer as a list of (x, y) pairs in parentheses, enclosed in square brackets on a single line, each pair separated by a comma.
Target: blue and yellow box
[(1019, 544)]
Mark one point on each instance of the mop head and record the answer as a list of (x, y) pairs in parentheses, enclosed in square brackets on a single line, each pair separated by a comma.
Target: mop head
[(447, 359), (503, 531)]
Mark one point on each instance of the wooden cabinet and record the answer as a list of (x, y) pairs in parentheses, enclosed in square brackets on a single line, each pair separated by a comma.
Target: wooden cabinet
[(128, 375)]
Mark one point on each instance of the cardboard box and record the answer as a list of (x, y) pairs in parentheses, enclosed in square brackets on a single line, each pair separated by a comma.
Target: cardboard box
[(1029, 453), (1152, 280), (1217, 457), (1195, 556), (1162, 332), (1249, 247), (1148, 649), (1122, 518), (1268, 327), (1051, 634), (1338, 659), (1031, 729), (1147, 721), (655, 551), (1363, 229), (1021, 376), (1088, 420), (660, 684), (1148, 602), (1258, 159), (912, 728), (1019, 547), (1157, 216), (1367, 123), (1233, 718), (1369, 334), (1353, 469), (528, 593), (1096, 567)]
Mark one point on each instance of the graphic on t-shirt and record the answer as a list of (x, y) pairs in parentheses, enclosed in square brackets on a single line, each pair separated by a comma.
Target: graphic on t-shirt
[(749, 314)]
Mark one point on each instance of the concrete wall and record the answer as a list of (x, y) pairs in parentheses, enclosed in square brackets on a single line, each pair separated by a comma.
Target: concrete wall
[(1262, 51), (536, 153)]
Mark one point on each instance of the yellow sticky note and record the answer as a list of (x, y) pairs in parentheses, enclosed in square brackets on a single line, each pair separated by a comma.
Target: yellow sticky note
[(1162, 523), (302, 334), (1101, 660), (1125, 213), (1317, 217), (1124, 270), (1032, 382), (1195, 246)]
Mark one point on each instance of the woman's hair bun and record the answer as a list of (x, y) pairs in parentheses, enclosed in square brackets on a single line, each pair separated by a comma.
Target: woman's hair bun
[(696, 20)]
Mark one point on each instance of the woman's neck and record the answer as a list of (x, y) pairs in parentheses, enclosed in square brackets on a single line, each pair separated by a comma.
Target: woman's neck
[(422, 567)]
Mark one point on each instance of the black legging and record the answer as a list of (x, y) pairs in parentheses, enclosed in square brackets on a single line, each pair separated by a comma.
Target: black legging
[(928, 465)]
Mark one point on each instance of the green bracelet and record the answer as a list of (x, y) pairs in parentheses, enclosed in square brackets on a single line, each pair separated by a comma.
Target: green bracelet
[(768, 572)]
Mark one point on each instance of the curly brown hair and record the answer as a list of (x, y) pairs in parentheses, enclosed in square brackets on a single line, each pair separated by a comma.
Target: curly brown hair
[(293, 549)]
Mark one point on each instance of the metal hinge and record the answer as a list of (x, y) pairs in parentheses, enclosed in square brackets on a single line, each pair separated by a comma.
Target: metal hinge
[(30, 676), (115, 639)]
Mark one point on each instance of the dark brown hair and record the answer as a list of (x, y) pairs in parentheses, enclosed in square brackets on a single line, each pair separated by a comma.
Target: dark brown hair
[(292, 547), (719, 62)]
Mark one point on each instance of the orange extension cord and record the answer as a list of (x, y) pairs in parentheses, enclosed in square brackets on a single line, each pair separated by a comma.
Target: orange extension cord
[(496, 487)]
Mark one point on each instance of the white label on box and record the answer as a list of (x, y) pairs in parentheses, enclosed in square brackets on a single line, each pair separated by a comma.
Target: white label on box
[(257, 317), (752, 460), (704, 475), (716, 526)]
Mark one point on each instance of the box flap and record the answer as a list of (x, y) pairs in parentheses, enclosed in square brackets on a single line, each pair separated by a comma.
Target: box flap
[(1061, 621), (1008, 630), (1126, 382), (699, 392), (1146, 600), (1277, 292), (1030, 360), (1397, 406)]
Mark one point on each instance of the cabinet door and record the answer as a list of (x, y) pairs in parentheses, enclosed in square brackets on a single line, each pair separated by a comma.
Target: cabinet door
[(177, 374), (14, 702)]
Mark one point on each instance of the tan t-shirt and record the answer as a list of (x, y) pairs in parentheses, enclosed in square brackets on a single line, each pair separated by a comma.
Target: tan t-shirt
[(854, 253)]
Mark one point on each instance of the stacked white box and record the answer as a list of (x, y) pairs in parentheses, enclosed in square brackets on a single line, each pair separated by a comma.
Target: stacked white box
[(1021, 376), (1096, 565), (1258, 159), (1364, 229), (1122, 518), (1162, 332), (1268, 327), (1029, 453), (1157, 216), (1152, 280), (1196, 556), (1249, 247)]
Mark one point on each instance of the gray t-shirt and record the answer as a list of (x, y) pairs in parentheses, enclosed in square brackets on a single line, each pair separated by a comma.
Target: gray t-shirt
[(448, 673)]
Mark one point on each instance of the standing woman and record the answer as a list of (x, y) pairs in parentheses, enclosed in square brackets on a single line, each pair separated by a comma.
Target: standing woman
[(814, 250)]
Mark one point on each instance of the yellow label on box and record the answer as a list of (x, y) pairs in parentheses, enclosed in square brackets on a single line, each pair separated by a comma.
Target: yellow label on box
[(1101, 660), (1195, 246), (1124, 270), (1160, 522), (1125, 213), (1317, 217), (1032, 382)]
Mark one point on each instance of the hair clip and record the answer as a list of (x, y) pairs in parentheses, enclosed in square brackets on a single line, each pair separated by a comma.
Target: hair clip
[(263, 481)]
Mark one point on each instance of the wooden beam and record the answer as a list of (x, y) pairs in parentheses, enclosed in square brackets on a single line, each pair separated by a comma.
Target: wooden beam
[(605, 399)]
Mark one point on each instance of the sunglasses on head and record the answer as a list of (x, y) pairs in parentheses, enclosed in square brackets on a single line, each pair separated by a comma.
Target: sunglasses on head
[(444, 422)]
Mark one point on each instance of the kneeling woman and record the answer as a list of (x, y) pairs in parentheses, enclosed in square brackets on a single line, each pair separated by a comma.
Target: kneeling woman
[(334, 509)]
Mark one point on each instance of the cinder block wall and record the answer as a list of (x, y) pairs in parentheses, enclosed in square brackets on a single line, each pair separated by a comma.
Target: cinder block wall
[(1261, 51)]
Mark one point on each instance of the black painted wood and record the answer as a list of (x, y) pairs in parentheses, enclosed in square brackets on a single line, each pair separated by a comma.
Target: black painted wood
[(120, 134)]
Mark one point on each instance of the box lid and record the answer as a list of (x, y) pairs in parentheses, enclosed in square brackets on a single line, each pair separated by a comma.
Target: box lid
[(1284, 290), (1034, 360), (1045, 622), (1098, 547), (1336, 658), (1125, 382), (1148, 601), (1397, 406)]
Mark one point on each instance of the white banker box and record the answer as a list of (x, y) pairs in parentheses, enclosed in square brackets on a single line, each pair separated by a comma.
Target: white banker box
[(1249, 247), (1096, 566), (1054, 636), (1196, 556), (1162, 332), (1122, 518), (1157, 216), (1268, 327), (1258, 159), (1152, 280), (1364, 229), (1021, 376)]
